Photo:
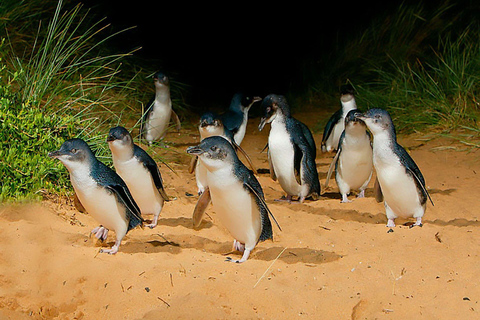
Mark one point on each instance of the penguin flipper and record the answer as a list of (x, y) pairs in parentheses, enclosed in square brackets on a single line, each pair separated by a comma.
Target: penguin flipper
[(297, 163), (252, 184), (270, 164), (143, 120), (200, 207), (332, 166), (193, 164), (152, 167), (377, 190), (237, 147), (176, 119), (133, 211), (421, 185)]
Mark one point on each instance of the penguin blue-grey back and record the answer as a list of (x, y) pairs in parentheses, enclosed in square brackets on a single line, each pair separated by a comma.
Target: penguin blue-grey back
[(101, 191), (235, 193), (291, 150), (236, 117), (401, 182), (139, 171)]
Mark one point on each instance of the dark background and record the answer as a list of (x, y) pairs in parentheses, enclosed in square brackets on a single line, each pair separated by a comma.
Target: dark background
[(219, 49)]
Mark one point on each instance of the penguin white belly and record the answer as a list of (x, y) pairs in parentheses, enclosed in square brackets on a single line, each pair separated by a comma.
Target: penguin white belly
[(235, 207), (158, 120), (101, 204), (398, 188), (141, 185), (241, 131), (355, 166), (332, 141), (282, 156)]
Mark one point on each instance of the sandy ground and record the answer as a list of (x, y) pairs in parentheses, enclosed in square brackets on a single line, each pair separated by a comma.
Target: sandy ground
[(331, 261)]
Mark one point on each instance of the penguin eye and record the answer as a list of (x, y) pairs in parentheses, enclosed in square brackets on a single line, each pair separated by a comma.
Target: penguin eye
[(74, 150), (214, 148)]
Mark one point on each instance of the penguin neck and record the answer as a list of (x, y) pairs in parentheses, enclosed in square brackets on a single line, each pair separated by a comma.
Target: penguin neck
[(348, 105), (162, 94), (280, 119), (123, 153), (384, 140)]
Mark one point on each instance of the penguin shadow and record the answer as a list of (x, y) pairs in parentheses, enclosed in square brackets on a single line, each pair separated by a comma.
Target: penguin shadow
[(341, 214), (182, 221), (175, 243), (445, 192)]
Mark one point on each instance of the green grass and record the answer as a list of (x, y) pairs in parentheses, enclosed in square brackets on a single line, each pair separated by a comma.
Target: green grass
[(59, 79), (421, 64)]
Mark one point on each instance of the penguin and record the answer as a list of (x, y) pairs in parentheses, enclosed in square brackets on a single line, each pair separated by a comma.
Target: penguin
[(101, 191), (211, 125), (155, 120), (336, 123), (139, 171), (291, 150), (353, 161), (236, 117), (235, 193), (401, 183)]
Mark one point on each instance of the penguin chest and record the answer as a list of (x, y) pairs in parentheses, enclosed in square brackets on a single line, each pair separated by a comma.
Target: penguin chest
[(141, 185), (99, 202), (355, 164), (398, 187), (241, 132), (282, 156), (158, 120), (235, 206)]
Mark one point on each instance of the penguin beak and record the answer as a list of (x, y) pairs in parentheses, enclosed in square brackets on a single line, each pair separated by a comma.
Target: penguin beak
[(196, 150), (262, 123), (255, 99), (110, 138), (361, 116), (55, 154)]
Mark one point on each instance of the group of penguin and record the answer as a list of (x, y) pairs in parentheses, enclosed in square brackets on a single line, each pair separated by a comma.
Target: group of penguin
[(117, 199)]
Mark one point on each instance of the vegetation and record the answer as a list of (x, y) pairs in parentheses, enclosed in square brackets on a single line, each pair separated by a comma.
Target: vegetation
[(57, 81), (422, 64)]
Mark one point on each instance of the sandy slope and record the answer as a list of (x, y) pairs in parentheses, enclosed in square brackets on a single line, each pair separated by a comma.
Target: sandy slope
[(335, 261)]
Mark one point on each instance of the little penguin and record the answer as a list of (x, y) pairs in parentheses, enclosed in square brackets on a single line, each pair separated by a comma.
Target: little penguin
[(139, 171), (353, 162), (235, 193), (102, 192), (291, 150), (155, 120), (211, 125), (236, 117), (400, 181), (336, 123)]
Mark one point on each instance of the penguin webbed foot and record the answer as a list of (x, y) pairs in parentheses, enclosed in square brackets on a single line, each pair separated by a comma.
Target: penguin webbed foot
[(153, 224), (361, 194), (101, 233), (244, 258), (285, 199), (345, 199), (113, 249)]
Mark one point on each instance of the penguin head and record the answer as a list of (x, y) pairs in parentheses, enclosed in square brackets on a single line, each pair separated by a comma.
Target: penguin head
[(215, 152), (119, 139), (241, 102), (378, 121), (346, 92), (210, 119), (160, 80), (210, 125), (73, 153), (272, 105)]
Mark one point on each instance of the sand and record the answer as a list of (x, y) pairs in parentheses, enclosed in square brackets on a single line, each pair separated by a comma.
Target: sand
[(331, 261)]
